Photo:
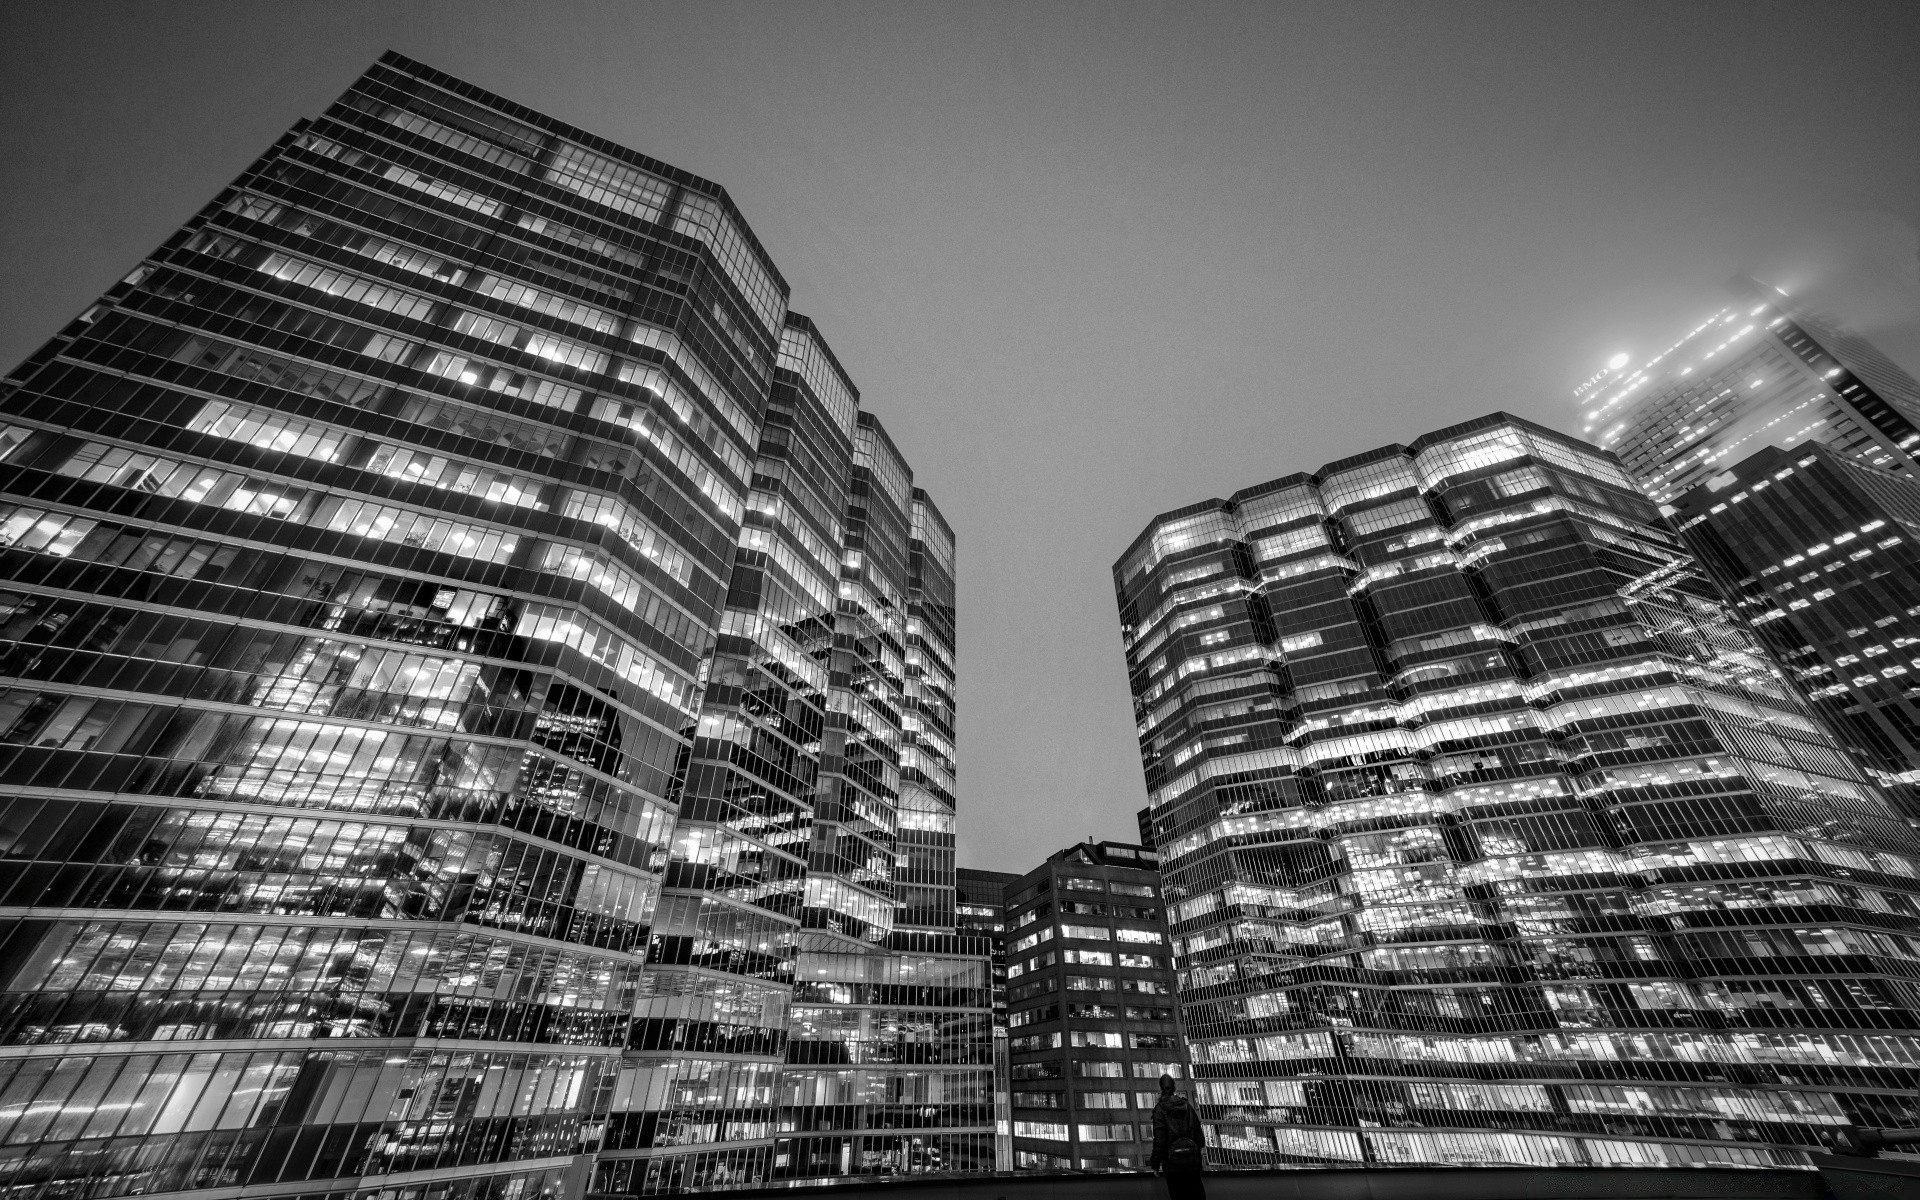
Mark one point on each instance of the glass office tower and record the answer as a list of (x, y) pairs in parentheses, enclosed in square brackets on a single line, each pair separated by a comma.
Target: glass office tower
[(1761, 385), (1762, 371), (925, 883), (417, 668), (891, 1059), (1491, 836), (698, 1104), (1818, 551)]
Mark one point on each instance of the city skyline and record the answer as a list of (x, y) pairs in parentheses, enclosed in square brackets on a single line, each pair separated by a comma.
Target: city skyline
[(1286, 225), (492, 664)]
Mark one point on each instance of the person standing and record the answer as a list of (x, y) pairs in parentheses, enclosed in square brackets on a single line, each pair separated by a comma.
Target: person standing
[(1179, 1144)]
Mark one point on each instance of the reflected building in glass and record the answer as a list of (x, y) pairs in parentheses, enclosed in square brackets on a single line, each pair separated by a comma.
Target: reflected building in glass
[(1490, 835), (1818, 551), (434, 675), (1773, 436)]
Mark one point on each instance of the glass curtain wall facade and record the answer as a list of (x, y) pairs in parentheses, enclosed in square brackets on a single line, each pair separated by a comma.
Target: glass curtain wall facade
[(1818, 552), (924, 889), (980, 909), (701, 1099), (365, 548), (1090, 1009), (424, 620), (891, 1062), (1762, 371), (1764, 383), (1490, 835)]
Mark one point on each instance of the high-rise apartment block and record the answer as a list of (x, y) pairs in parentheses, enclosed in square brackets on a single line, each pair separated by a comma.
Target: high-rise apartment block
[(1090, 1008), (478, 699), (1762, 371), (1819, 551), (1489, 834)]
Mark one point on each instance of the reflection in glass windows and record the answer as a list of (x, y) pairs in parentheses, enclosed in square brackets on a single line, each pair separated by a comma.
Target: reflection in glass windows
[(418, 758), (1491, 834)]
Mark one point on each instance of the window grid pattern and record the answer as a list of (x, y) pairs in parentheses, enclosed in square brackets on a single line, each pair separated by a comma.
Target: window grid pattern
[(1511, 702), (703, 218), (296, 764)]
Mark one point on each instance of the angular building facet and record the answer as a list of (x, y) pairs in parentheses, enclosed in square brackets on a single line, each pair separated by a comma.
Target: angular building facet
[(440, 712), (700, 1098), (891, 1057), (1818, 550), (1705, 427), (1490, 835), (924, 890)]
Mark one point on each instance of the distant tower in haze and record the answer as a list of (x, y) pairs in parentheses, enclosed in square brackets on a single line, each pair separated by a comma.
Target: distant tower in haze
[(1762, 371), (1785, 449)]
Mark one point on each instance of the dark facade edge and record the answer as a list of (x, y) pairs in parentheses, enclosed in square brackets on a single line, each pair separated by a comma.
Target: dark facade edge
[(599, 145), (808, 326)]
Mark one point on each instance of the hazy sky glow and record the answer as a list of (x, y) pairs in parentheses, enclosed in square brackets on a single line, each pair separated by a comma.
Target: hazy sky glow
[(1093, 262)]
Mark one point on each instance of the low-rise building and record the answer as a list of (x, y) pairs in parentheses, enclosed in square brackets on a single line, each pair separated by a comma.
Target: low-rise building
[(1092, 1023)]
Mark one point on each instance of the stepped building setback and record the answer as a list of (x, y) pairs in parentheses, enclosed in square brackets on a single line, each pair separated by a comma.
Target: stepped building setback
[(476, 700), (1491, 835)]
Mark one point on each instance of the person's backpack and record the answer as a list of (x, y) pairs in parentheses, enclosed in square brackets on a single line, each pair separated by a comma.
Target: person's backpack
[(1183, 1147)]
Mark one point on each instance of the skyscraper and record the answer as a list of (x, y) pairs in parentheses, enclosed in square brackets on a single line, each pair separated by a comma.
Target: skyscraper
[(1818, 550), (1705, 426), (891, 1058), (925, 882), (439, 690), (1762, 371), (1490, 835)]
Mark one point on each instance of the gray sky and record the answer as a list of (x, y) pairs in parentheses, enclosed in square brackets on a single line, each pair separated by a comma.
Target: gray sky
[(1092, 262)]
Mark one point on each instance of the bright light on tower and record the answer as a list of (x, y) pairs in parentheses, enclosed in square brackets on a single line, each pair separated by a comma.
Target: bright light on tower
[(1617, 361)]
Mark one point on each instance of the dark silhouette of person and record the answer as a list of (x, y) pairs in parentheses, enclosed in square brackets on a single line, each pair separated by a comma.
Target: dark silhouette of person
[(1179, 1144)]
